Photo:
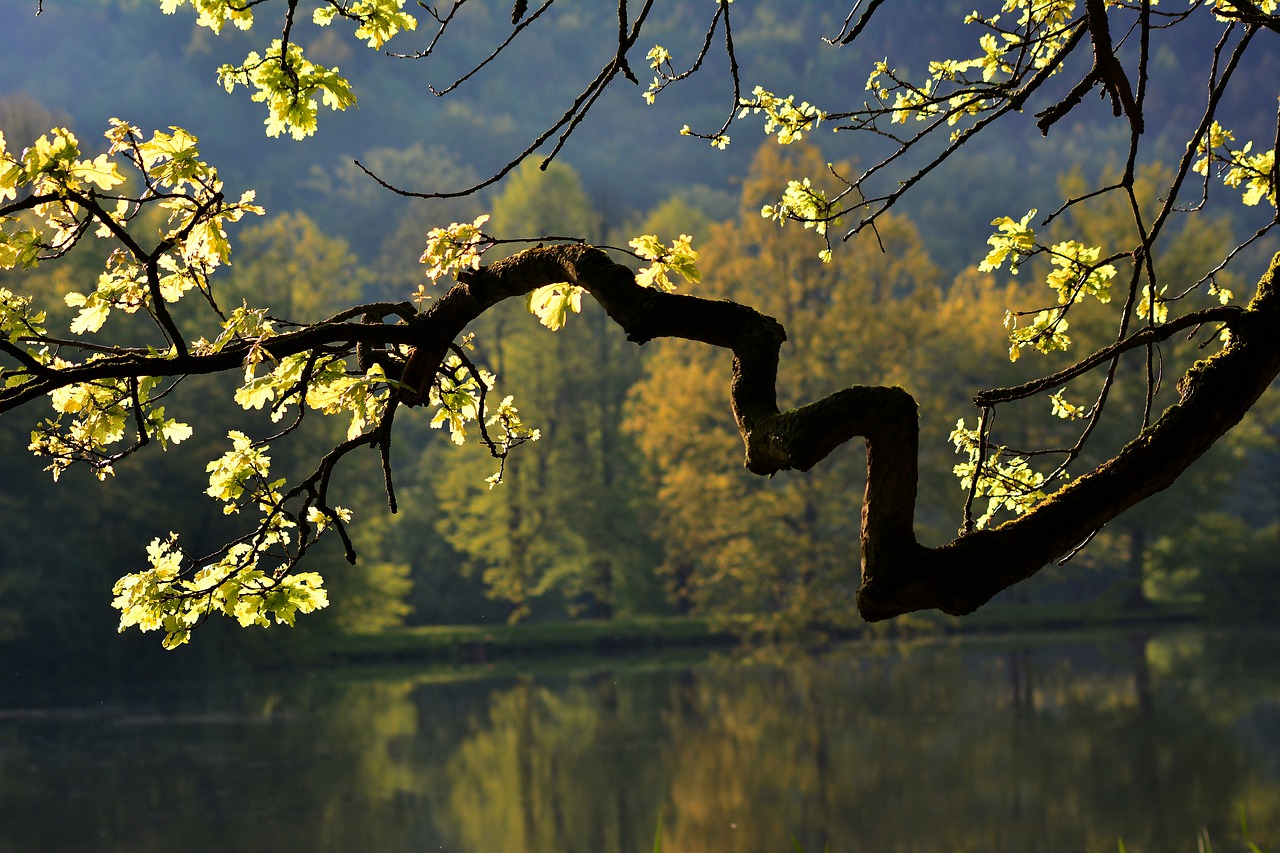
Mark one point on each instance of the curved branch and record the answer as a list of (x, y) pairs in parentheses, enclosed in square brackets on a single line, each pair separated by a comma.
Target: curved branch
[(898, 574)]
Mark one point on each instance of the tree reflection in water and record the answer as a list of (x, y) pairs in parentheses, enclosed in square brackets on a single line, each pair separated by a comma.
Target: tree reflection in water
[(991, 745)]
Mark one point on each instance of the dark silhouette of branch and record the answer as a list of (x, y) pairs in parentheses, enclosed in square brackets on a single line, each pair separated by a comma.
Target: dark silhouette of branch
[(898, 574), (1106, 71)]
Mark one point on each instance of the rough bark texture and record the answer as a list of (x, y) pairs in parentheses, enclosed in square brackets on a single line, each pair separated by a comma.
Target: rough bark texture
[(898, 574)]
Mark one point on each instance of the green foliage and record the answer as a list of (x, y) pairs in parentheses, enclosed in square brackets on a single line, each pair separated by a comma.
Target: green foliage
[(563, 531), (377, 20), (732, 541), (1013, 241), (807, 204), (1006, 478), (1237, 166), (288, 84), (952, 90), (159, 598), (160, 216), (679, 258), (453, 249), (782, 115), (282, 77), (92, 419)]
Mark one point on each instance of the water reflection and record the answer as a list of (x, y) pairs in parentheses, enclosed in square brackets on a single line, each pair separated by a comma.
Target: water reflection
[(976, 745)]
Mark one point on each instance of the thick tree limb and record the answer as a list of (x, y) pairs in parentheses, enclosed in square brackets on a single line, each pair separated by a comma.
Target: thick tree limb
[(898, 574)]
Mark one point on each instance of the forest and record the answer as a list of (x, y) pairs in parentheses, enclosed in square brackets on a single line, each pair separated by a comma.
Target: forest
[(634, 500)]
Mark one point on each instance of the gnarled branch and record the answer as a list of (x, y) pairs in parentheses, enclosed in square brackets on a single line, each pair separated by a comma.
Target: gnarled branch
[(898, 574)]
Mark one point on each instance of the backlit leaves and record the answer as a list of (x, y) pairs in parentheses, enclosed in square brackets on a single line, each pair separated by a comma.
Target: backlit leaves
[(21, 326), (659, 59), (680, 258), (92, 417), (1237, 167), (1046, 333), (50, 168), (175, 598), (289, 84), (1228, 10), (512, 432), (1013, 241), (457, 396), (214, 13), (455, 248), (804, 203), (1004, 478), (241, 469), (1077, 273), (781, 116), (378, 20), (552, 303)]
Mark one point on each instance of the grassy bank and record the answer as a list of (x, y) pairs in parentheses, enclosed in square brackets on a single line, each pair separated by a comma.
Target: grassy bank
[(485, 643), (482, 643)]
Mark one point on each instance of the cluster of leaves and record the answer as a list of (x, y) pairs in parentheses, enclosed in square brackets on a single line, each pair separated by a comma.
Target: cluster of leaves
[(56, 197), (959, 88), (1237, 166), (455, 248), (281, 76), (52, 196), (324, 383), (680, 257), (781, 115), (52, 172), (93, 416), (61, 192), (168, 597), (1005, 478), (459, 396), (288, 83), (1076, 273), (803, 202)]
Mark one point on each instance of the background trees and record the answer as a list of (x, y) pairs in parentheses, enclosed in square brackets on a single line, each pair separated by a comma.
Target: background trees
[(558, 525), (564, 524), (733, 542)]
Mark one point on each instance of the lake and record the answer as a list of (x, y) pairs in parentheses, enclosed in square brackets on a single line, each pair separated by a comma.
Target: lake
[(1056, 743)]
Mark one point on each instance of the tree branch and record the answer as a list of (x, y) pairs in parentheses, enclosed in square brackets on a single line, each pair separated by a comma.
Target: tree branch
[(898, 574)]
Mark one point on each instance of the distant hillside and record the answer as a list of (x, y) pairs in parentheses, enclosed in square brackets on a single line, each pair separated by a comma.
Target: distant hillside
[(99, 58)]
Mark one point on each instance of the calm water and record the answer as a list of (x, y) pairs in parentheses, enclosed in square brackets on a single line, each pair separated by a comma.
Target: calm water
[(1026, 744)]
